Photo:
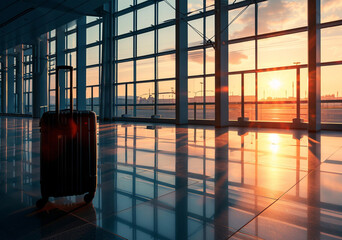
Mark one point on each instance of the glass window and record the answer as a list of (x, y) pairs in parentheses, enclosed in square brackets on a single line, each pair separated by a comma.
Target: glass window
[(92, 55), (241, 56), (92, 76), (122, 4), (93, 34), (166, 92), (283, 50), (125, 48), (331, 10), (277, 15), (167, 39), (125, 72), (244, 25), (195, 62), (145, 69), (167, 66), (125, 23), (331, 44), (145, 17), (145, 93), (195, 32), (71, 39), (145, 43), (166, 12)]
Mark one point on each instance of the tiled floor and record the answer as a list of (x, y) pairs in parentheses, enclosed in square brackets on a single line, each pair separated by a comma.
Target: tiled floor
[(170, 182)]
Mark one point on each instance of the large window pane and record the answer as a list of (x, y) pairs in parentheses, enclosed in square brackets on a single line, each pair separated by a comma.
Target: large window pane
[(92, 76), (145, 93), (145, 43), (166, 92), (93, 56), (241, 56), (277, 15), (195, 62), (331, 82), (165, 11), (331, 10), (166, 39), (145, 17), (93, 34), (283, 51), (125, 48), (331, 44), (243, 25), (145, 69), (166, 66), (125, 72), (125, 23)]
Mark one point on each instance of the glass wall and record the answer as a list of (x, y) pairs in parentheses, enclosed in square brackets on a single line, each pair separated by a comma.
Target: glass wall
[(267, 64), (27, 78), (93, 63), (145, 59)]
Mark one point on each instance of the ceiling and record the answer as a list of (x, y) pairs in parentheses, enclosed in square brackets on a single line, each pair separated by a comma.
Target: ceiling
[(22, 21)]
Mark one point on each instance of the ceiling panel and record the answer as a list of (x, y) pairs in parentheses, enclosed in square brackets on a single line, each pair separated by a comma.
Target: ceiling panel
[(23, 21)]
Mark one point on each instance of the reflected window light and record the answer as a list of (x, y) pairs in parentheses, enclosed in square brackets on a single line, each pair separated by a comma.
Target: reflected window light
[(274, 142)]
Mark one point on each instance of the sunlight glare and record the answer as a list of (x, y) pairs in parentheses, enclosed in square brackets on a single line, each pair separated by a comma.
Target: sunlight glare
[(275, 84), (274, 140)]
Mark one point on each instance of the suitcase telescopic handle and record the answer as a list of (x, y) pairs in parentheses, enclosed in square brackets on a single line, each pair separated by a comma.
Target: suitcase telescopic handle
[(58, 68)]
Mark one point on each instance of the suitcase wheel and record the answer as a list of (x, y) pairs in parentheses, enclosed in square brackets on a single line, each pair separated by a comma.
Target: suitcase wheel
[(41, 202), (89, 197)]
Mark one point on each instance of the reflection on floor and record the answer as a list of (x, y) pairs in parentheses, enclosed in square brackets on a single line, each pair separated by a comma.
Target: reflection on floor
[(167, 182)]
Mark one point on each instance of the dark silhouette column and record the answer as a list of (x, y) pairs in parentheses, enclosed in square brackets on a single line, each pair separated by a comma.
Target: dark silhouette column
[(314, 48), (107, 74), (221, 63), (181, 62)]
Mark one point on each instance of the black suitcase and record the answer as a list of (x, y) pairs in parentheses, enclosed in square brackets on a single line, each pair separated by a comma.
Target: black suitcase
[(68, 158)]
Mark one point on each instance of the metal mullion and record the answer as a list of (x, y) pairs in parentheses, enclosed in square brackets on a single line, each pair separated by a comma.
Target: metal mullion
[(156, 90), (134, 61), (256, 20), (204, 60)]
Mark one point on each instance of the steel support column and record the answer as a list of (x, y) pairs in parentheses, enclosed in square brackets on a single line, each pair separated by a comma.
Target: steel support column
[(4, 83), (221, 64), (181, 62), (60, 60), (107, 74), (10, 81), (40, 73), (20, 79), (314, 58), (81, 64)]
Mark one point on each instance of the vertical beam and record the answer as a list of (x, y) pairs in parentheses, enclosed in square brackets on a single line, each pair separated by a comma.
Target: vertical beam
[(181, 62), (10, 81), (81, 63), (314, 48), (39, 85), (4, 83), (221, 64), (107, 74), (20, 78), (60, 59)]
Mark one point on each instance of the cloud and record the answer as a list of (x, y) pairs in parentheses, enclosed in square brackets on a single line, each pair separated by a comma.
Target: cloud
[(273, 16), (236, 58)]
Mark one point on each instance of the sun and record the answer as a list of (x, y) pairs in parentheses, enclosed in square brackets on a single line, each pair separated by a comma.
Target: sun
[(275, 84)]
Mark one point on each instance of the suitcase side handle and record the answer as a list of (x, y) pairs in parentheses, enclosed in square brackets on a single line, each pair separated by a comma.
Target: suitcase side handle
[(70, 68)]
